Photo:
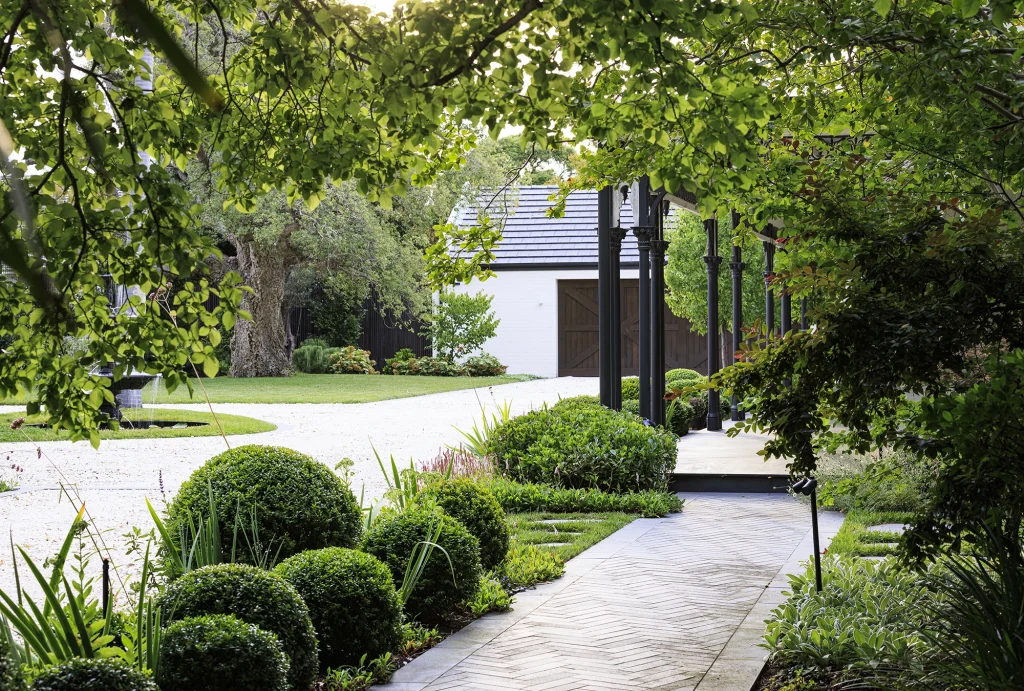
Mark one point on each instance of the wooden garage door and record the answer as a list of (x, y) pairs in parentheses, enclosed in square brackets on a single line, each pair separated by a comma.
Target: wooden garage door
[(578, 337)]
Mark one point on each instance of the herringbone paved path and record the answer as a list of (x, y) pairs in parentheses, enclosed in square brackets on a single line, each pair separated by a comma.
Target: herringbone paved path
[(650, 609)]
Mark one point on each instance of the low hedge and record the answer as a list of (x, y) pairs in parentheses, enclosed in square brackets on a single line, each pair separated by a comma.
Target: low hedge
[(299, 502), (446, 581), (474, 507), (220, 653), (516, 497), (585, 446), (352, 598), (256, 597), (78, 674)]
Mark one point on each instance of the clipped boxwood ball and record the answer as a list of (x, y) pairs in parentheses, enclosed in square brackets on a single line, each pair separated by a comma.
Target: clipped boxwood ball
[(299, 502), (475, 507), (352, 598), (81, 674), (631, 388), (393, 538), (220, 653), (254, 596)]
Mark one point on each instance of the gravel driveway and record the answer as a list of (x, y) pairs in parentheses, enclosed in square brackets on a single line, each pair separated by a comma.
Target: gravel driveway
[(115, 480)]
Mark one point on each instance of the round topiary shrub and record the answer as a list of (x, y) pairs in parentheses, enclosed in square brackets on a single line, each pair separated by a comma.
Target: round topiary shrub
[(438, 592), (297, 502), (220, 653), (256, 597), (79, 673), (631, 388), (590, 448), (575, 401), (355, 608), (682, 374), (475, 507)]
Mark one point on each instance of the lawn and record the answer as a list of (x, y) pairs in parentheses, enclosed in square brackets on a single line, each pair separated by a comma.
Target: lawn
[(566, 534), (854, 537), (232, 424), (320, 388)]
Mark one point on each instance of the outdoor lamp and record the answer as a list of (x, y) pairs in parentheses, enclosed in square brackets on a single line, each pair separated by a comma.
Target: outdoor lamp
[(807, 487)]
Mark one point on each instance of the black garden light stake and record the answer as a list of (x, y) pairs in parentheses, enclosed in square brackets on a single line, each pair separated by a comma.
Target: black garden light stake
[(809, 487), (106, 588)]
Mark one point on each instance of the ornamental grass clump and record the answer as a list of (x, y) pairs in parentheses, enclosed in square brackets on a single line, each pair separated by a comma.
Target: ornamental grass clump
[(580, 445), (293, 501), (81, 674), (353, 601), (221, 653), (254, 596), (473, 505), (451, 572)]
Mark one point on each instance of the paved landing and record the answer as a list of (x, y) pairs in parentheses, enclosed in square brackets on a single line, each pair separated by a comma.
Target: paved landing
[(676, 604), (701, 451)]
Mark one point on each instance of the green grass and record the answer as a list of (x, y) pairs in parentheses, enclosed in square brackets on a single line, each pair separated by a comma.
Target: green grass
[(321, 388), (582, 530), (855, 539), (232, 424)]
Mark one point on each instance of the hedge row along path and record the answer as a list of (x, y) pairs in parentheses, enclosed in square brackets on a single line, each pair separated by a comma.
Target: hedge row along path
[(115, 480), (667, 604)]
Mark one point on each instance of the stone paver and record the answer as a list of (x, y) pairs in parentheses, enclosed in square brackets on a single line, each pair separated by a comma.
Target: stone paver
[(701, 451), (661, 605)]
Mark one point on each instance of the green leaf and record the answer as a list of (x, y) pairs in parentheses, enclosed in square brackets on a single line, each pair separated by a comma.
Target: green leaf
[(882, 7), (150, 25), (210, 367)]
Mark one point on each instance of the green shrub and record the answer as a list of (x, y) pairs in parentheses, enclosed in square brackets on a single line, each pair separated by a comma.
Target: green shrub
[(588, 447), (484, 365), (318, 342), (699, 404), (528, 565), (516, 497), (683, 374), (577, 401), (864, 618), (473, 505), (256, 597), (439, 591), (220, 653), (299, 503), (11, 678), (355, 608), (490, 597), (352, 360), (81, 674), (311, 359), (461, 323), (897, 482), (425, 366), (630, 389), (678, 417)]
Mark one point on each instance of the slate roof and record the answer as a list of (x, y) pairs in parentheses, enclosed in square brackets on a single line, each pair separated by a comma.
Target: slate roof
[(532, 240)]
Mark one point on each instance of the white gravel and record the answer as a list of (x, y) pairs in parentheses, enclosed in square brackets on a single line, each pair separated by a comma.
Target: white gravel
[(115, 480)]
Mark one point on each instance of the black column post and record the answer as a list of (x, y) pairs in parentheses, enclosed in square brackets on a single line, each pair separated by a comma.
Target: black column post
[(737, 267), (803, 314), (786, 303), (643, 242), (769, 271), (643, 230), (658, 247), (713, 262), (617, 236), (604, 247)]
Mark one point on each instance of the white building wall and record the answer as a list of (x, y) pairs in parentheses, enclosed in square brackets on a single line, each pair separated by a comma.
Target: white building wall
[(526, 302)]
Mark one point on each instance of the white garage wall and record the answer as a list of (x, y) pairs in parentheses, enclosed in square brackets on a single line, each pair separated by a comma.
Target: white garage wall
[(526, 302)]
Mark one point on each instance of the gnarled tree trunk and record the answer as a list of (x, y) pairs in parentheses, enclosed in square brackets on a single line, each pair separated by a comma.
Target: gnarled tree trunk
[(258, 347)]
